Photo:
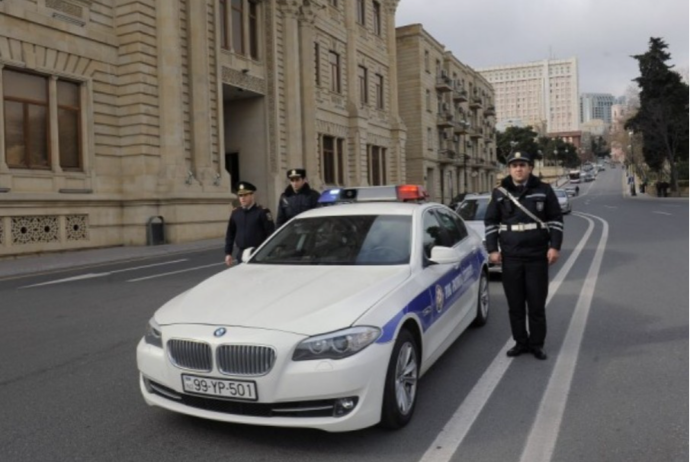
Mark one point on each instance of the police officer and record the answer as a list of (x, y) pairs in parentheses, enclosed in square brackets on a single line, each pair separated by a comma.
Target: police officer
[(528, 245), (249, 225), (297, 198)]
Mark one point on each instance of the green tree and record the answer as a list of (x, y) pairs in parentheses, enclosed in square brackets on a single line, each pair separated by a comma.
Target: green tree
[(663, 115), (518, 139)]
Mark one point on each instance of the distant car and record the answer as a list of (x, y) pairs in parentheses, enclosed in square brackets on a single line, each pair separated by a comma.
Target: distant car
[(563, 200), (329, 324), (572, 190), (472, 210)]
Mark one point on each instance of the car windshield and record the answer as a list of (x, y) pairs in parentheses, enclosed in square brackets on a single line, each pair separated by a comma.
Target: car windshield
[(340, 240), (473, 209), (561, 193)]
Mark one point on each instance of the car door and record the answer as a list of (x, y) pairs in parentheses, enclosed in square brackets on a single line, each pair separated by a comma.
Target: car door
[(466, 273), (439, 317)]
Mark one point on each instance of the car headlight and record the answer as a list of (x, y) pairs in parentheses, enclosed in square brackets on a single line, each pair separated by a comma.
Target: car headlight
[(336, 345), (152, 336)]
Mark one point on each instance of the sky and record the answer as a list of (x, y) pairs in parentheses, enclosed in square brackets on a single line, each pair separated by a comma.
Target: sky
[(601, 34)]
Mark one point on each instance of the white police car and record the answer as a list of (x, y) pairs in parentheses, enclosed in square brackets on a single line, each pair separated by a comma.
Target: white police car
[(329, 324)]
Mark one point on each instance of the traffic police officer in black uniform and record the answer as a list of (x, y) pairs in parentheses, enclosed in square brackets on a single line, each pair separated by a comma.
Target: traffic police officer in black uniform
[(249, 225), (528, 245), (297, 198)]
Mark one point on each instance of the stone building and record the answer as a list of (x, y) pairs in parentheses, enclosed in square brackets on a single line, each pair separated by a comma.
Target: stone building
[(115, 112), (449, 112)]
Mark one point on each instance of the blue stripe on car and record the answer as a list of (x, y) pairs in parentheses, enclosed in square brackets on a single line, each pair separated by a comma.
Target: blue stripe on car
[(455, 283)]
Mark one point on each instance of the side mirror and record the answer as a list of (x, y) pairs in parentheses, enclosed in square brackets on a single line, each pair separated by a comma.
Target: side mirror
[(247, 254), (445, 255)]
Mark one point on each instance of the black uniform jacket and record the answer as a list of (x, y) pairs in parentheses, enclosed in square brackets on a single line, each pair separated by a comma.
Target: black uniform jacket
[(248, 227), (293, 203), (537, 197)]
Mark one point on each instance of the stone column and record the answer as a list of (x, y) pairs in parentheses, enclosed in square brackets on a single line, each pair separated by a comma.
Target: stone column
[(173, 171), (398, 130), (200, 91), (307, 59), (293, 97), (357, 123), (3, 155)]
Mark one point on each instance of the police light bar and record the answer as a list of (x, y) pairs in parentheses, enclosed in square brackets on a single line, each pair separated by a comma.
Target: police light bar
[(401, 193)]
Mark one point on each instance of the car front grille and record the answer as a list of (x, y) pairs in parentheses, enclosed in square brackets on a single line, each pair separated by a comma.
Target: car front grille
[(316, 408), (245, 360), (189, 354)]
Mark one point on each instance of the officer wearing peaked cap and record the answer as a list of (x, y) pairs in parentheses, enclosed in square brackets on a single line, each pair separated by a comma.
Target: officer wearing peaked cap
[(249, 225), (524, 217), (297, 198)]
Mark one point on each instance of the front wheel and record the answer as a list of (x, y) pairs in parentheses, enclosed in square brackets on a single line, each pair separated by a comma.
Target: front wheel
[(400, 390), (482, 301)]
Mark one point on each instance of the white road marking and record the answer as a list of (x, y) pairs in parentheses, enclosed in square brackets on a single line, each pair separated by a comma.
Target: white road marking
[(175, 272), (662, 213), (453, 433), (610, 206), (100, 275), (542, 438)]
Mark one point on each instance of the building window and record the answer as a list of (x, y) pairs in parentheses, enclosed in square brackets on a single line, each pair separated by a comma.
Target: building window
[(377, 165), (377, 18), (332, 160), (317, 64), (237, 15), (363, 85), (426, 60), (27, 121), (428, 100), (334, 60), (361, 12), (378, 84), (223, 12), (254, 30), (69, 116)]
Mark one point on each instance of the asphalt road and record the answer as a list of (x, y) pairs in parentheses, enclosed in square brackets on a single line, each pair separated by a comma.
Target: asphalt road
[(613, 389)]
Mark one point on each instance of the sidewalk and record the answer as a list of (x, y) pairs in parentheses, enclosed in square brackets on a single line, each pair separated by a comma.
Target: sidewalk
[(77, 258)]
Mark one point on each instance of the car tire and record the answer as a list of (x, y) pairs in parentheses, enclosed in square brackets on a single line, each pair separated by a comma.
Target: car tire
[(482, 301), (400, 389)]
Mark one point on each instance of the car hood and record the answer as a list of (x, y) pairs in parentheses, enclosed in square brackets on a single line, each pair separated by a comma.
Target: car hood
[(306, 300)]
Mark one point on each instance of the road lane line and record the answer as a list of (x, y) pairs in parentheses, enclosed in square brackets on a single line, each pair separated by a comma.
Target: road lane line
[(100, 275), (453, 433), (175, 272), (546, 427), (663, 213)]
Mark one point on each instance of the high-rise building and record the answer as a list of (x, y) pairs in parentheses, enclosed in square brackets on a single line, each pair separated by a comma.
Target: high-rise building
[(448, 109), (596, 106), (538, 92)]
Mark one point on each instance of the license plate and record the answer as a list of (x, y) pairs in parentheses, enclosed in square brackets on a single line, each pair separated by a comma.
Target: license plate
[(234, 389)]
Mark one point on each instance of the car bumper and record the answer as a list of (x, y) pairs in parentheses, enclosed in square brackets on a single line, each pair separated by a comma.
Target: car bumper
[(292, 394)]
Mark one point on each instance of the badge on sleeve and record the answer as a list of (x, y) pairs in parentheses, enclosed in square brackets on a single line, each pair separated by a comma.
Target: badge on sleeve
[(540, 206)]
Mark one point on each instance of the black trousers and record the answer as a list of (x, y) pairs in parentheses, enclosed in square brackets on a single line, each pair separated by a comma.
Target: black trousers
[(526, 285)]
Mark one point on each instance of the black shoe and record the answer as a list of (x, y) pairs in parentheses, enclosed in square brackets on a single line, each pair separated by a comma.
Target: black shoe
[(517, 350), (538, 353)]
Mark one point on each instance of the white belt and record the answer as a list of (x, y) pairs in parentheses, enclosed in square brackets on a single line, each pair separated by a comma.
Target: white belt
[(520, 227)]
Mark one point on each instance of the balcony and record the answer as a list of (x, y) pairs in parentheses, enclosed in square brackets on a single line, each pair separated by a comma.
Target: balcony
[(460, 127), (444, 120), (444, 83), (490, 111), (476, 133), (459, 95), (476, 102)]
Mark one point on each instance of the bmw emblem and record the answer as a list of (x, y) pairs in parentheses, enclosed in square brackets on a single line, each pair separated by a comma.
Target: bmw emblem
[(220, 332)]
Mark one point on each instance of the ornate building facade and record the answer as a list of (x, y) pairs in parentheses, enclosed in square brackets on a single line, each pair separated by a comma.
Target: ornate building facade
[(449, 111), (119, 113)]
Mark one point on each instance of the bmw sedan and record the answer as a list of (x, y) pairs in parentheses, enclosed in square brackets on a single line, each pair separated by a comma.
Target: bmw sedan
[(328, 325)]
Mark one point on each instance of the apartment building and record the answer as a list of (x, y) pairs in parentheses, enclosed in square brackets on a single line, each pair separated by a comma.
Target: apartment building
[(118, 114), (448, 109), (544, 91)]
